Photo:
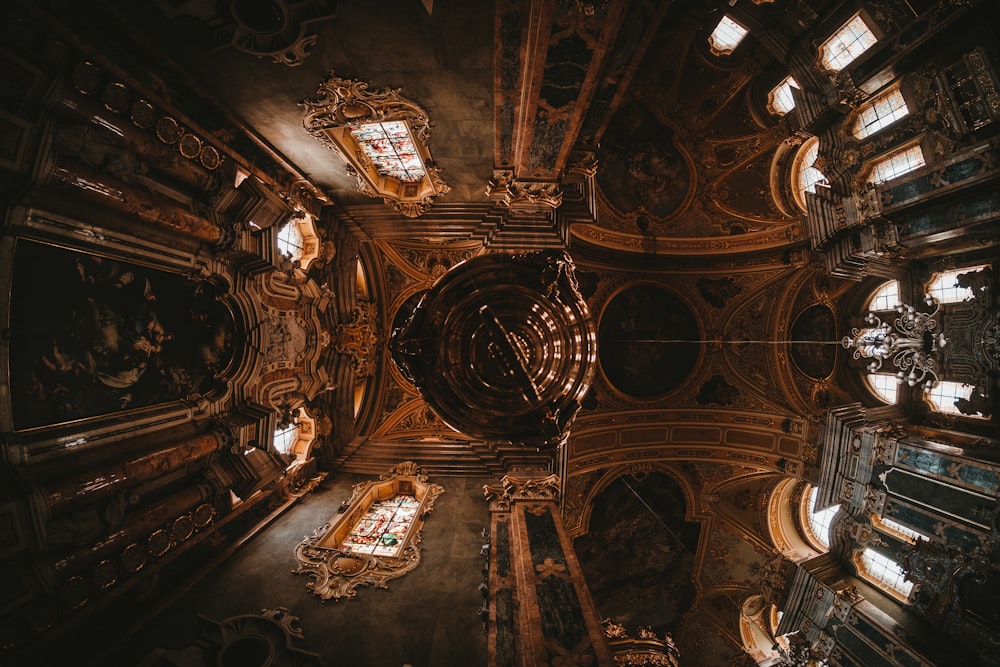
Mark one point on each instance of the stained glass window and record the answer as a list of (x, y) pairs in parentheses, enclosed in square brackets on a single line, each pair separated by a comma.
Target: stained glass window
[(726, 36), (390, 147), (885, 570), (944, 286), (880, 112), (896, 164), (383, 528), (845, 45), (780, 100)]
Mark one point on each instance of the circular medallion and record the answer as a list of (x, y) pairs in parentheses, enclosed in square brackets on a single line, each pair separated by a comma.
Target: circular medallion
[(648, 341), (86, 78), (189, 145), (203, 515), (348, 566), (143, 114), (181, 529), (168, 130), (159, 542), (210, 158), (134, 557), (115, 97), (75, 592), (105, 574)]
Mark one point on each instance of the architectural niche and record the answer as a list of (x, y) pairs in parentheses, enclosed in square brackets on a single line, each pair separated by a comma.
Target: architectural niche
[(336, 557), (382, 138)]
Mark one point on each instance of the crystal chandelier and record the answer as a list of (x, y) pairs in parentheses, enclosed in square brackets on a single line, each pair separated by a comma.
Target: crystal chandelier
[(910, 343)]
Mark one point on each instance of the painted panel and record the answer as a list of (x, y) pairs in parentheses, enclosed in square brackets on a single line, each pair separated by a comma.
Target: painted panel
[(91, 335)]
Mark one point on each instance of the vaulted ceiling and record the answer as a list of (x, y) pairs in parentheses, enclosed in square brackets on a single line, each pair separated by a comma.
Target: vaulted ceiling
[(690, 244)]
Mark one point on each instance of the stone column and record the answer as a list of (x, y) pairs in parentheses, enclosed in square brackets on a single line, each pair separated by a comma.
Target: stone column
[(540, 607)]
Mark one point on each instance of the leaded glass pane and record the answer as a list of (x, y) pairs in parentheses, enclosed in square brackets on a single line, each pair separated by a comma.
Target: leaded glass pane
[(726, 36), (885, 386), (780, 100), (820, 522), (886, 298), (383, 529), (896, 164), (944, 287), (880, 112), (845, 45), (390, 148), (884, 569), (944, 394)]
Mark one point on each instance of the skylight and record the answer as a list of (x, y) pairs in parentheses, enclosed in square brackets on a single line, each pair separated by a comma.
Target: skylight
[(726, 36), (884, 569), (845, 45), (780, 100), (390, 148)]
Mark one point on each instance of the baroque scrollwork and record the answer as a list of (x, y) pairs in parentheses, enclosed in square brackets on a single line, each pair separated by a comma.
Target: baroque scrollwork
[(341, 104), (511, 489), (337, 571)]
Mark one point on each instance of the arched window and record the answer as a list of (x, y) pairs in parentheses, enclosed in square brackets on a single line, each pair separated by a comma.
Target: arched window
[(944, 286), (285, 437), (945, 394), (896, 164), (885, 386), (880, 112), (726, 36), (780, 100), (845, 45), (884, 572), (296, 437), (290, 240), (885, 297), (819, 523), (805, 176)]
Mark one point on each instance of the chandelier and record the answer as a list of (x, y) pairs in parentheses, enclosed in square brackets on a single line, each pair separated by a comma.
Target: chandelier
[(910, 343)]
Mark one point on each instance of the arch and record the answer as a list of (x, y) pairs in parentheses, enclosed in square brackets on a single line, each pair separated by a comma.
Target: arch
[(784, 522), (612, 475)]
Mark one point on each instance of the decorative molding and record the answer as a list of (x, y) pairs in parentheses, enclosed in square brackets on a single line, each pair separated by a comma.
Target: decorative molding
[(522, 196), (358, 338), (342, 103), (336, 571), (512, 489)]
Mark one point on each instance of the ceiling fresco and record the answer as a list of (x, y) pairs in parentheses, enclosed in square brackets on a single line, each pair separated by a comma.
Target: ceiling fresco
[(648, 341)]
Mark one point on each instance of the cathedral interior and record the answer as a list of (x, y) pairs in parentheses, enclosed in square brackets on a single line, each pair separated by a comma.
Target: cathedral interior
[(508, 333)]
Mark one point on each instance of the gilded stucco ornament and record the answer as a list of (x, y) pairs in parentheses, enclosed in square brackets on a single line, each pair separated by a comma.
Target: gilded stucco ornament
[(342, 107), (337, 569), (512, 488)]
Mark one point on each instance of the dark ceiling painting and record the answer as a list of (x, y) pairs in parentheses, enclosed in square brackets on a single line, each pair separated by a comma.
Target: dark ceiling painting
[(638, 555), (641, 168), (647, 341), (815, 359), (96, 335)]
